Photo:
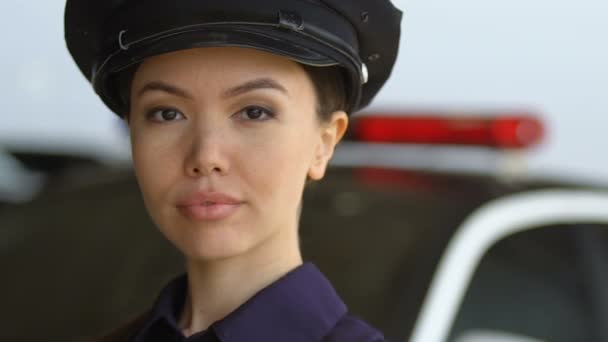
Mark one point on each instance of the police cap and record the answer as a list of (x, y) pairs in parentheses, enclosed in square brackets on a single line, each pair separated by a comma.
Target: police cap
[(107, 37)]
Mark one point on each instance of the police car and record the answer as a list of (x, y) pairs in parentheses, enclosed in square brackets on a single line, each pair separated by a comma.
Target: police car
[(429, 242), (427, 225)]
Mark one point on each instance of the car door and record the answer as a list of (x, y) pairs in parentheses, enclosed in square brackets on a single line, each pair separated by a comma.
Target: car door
[(528, 267)]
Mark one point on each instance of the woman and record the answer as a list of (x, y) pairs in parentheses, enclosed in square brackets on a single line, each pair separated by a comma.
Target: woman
[(232, 107)]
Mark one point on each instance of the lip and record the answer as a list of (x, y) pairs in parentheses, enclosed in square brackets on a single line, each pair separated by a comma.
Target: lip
[(208, 206)]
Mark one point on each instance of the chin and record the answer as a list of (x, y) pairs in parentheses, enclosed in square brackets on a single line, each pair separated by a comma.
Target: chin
[(208, 243), (211, 251)]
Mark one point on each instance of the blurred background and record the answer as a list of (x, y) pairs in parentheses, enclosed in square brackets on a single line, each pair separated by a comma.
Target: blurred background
[(542, 55), (62, 152)]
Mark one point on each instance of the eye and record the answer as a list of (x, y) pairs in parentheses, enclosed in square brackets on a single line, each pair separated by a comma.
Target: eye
[(255, 113), (165, 114)]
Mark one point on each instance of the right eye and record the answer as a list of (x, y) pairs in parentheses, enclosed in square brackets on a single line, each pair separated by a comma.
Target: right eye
[(164, 115)]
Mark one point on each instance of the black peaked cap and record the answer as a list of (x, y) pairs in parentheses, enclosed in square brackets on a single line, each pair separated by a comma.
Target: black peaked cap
[(107, 37)]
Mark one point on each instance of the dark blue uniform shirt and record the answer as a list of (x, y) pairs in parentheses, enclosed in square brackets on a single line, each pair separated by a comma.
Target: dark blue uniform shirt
[(302, 306)]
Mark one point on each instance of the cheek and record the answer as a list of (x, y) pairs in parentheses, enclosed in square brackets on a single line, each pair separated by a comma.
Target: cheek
[(154, 164), (279, 166)]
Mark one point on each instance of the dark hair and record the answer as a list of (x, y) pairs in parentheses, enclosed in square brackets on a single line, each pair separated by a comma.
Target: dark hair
[(328, 83), (329, 88)]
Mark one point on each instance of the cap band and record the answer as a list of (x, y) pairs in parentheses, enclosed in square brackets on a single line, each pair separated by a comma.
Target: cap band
[(297, 32)]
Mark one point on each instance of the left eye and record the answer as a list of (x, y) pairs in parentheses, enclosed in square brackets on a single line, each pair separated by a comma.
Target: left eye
[(255, 113)]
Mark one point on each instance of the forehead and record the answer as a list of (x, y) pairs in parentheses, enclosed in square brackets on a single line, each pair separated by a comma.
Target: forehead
[(220, 65)]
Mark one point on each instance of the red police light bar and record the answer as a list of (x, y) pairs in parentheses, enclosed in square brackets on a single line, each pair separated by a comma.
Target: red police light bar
[(503, 132)]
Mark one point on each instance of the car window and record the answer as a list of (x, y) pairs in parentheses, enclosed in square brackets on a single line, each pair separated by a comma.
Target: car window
[(545, 284)]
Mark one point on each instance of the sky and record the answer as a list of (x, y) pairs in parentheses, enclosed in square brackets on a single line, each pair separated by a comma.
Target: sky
[(547, 56)]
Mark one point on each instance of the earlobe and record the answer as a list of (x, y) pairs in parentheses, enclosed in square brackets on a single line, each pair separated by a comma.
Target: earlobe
[(331, 134)]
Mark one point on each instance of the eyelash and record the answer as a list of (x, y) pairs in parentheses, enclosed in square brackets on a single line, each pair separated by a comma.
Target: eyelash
[(152, 114), (268, 112)]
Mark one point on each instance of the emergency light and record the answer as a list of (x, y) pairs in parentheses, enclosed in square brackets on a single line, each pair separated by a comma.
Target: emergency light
[(504, 131)]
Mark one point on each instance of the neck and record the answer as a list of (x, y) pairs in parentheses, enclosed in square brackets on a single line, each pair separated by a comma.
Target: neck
[(218, 287)]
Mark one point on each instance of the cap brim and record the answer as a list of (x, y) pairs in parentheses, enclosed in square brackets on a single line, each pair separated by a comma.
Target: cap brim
[(265, 39)]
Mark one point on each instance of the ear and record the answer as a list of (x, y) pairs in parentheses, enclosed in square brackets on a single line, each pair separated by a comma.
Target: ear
[(331, 133)]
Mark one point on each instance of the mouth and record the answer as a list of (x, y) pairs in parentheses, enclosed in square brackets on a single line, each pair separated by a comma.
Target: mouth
[(206, 206), (208, 211)]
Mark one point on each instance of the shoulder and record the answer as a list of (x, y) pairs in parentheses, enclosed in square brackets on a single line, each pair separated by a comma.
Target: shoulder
[(127, 331), (353, 329)]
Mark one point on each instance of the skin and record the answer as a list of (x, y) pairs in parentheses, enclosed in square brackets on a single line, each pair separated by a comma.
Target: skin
[(194, 126)]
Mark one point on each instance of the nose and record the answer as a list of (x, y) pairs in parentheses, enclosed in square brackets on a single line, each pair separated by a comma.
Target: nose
[(206, 154)]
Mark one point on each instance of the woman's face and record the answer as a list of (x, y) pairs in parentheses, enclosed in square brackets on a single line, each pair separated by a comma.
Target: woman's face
[(223, 140)]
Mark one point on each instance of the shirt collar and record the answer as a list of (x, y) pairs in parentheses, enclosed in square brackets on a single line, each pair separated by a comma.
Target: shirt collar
[(300, 306), (167, 308)]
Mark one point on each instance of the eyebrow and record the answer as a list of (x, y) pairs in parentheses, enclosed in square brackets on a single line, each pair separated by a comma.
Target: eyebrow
[(256, 84), (164, 87)]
